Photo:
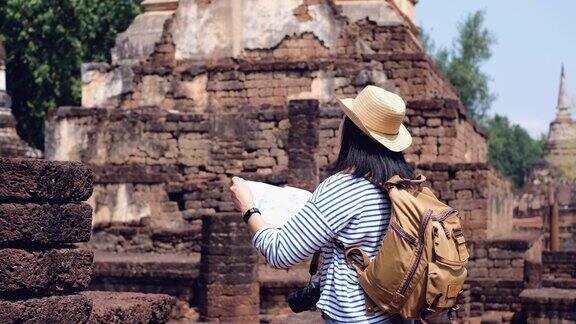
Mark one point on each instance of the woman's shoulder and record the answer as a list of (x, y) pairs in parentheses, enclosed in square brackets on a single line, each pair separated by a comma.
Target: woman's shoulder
[(336, 184)]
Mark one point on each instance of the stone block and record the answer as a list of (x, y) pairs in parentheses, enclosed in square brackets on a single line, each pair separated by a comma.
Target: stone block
[(167, 266), (44, 223), (166, 273), (129, 308), (55, 309), (38, 272), (28, 180)]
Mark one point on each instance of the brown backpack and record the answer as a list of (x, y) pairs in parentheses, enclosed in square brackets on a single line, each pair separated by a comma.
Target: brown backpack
[(420, 269)]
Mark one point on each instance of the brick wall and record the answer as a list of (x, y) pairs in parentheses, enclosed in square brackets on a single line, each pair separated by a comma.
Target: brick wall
[(480, 194), (497, 272), (559, 265)]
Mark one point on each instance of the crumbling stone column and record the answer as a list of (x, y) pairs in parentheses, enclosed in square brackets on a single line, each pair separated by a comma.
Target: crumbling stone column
[(42, 275), (302, 146), (228, 288), (41, 213)]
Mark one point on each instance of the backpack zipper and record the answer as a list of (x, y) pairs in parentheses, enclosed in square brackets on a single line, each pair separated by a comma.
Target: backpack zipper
[(420, 248), (419, 251)]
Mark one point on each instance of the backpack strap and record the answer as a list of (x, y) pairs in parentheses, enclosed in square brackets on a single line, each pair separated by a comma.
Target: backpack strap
[(397, 181), (348, 252)]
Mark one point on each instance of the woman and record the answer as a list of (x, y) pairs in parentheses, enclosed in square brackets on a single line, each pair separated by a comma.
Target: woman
[(349, 207)]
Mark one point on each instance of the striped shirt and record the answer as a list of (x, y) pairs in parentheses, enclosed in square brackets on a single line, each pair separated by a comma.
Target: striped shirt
[(343, 208)]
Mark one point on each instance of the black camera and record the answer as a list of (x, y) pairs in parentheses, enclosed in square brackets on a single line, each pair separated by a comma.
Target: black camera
[(305, 298)]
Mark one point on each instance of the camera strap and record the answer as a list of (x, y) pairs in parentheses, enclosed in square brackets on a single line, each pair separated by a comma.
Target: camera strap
[(316, 257), (314, 263)]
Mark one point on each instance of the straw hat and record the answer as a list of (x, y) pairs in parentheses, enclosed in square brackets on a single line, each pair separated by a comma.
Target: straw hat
[(379, 114)]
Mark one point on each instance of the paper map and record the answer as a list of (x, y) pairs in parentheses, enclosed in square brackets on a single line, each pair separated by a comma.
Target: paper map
[(277, 204)]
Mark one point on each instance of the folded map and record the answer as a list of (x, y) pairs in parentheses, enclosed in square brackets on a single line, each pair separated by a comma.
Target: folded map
[(277, 204)]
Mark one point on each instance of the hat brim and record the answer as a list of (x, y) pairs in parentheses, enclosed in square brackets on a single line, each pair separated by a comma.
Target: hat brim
[(397, 143)]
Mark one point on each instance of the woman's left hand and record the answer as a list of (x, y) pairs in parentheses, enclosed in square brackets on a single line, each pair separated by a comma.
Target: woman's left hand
[(241, 195)]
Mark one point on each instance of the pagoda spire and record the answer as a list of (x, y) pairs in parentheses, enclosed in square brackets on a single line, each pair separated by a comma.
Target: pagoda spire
[(563, 101)]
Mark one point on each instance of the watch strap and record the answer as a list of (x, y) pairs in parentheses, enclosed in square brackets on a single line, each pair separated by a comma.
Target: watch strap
[(249, 213)]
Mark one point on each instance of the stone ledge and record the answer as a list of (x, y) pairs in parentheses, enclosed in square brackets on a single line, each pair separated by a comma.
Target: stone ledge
[(173, 274), (146, 265), (546, 295), (42, 272), (495, 283), (128, 308), (55, 309), (564, 257), (549, 305), (44, 224), (513, 242), (559, 283), (29, 180), (135, 173)]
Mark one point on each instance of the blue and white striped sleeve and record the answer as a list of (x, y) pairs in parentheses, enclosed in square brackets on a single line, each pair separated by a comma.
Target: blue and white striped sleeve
[(305, 233)]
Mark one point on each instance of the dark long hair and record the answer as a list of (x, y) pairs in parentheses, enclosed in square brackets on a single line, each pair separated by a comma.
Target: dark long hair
[(362, 156)]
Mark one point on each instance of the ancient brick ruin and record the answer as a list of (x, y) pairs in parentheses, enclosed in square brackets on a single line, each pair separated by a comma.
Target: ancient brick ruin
[(43, 273), (198, 91)]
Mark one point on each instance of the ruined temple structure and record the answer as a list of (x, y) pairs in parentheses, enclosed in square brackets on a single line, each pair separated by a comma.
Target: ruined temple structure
[(199, 91), (552, 180), (10, 144), (43, 270)]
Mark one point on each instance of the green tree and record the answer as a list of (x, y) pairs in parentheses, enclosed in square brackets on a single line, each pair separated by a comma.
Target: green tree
[(462, 63), (46, 42), (511, 149)]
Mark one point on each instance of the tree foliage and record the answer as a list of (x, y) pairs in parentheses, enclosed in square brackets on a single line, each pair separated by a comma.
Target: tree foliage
[(46, 42), (511, 149), (462, 64)]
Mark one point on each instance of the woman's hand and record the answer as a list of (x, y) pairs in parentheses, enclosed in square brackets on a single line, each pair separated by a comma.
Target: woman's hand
[(241, 195)]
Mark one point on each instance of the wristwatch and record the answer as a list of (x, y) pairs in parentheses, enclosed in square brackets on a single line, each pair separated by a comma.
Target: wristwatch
[(249, 213)]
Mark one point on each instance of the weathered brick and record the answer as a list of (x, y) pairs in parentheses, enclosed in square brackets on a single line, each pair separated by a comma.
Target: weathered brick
[(114, 307), (35, 272), (55, 309), (29, 180), (44, 223)]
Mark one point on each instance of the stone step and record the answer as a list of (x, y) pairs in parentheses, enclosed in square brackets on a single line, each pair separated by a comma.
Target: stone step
[(55, 309), (39, 181), (43, 272), (129, 307), (549, 305), (42, 224), (564, 283), (145, 238), (173, 274)]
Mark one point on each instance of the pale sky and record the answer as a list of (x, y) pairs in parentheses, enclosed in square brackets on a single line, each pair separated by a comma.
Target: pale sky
[(534, 38)]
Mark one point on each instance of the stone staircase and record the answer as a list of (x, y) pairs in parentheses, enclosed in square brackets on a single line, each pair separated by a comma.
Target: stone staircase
[(554, 301)]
